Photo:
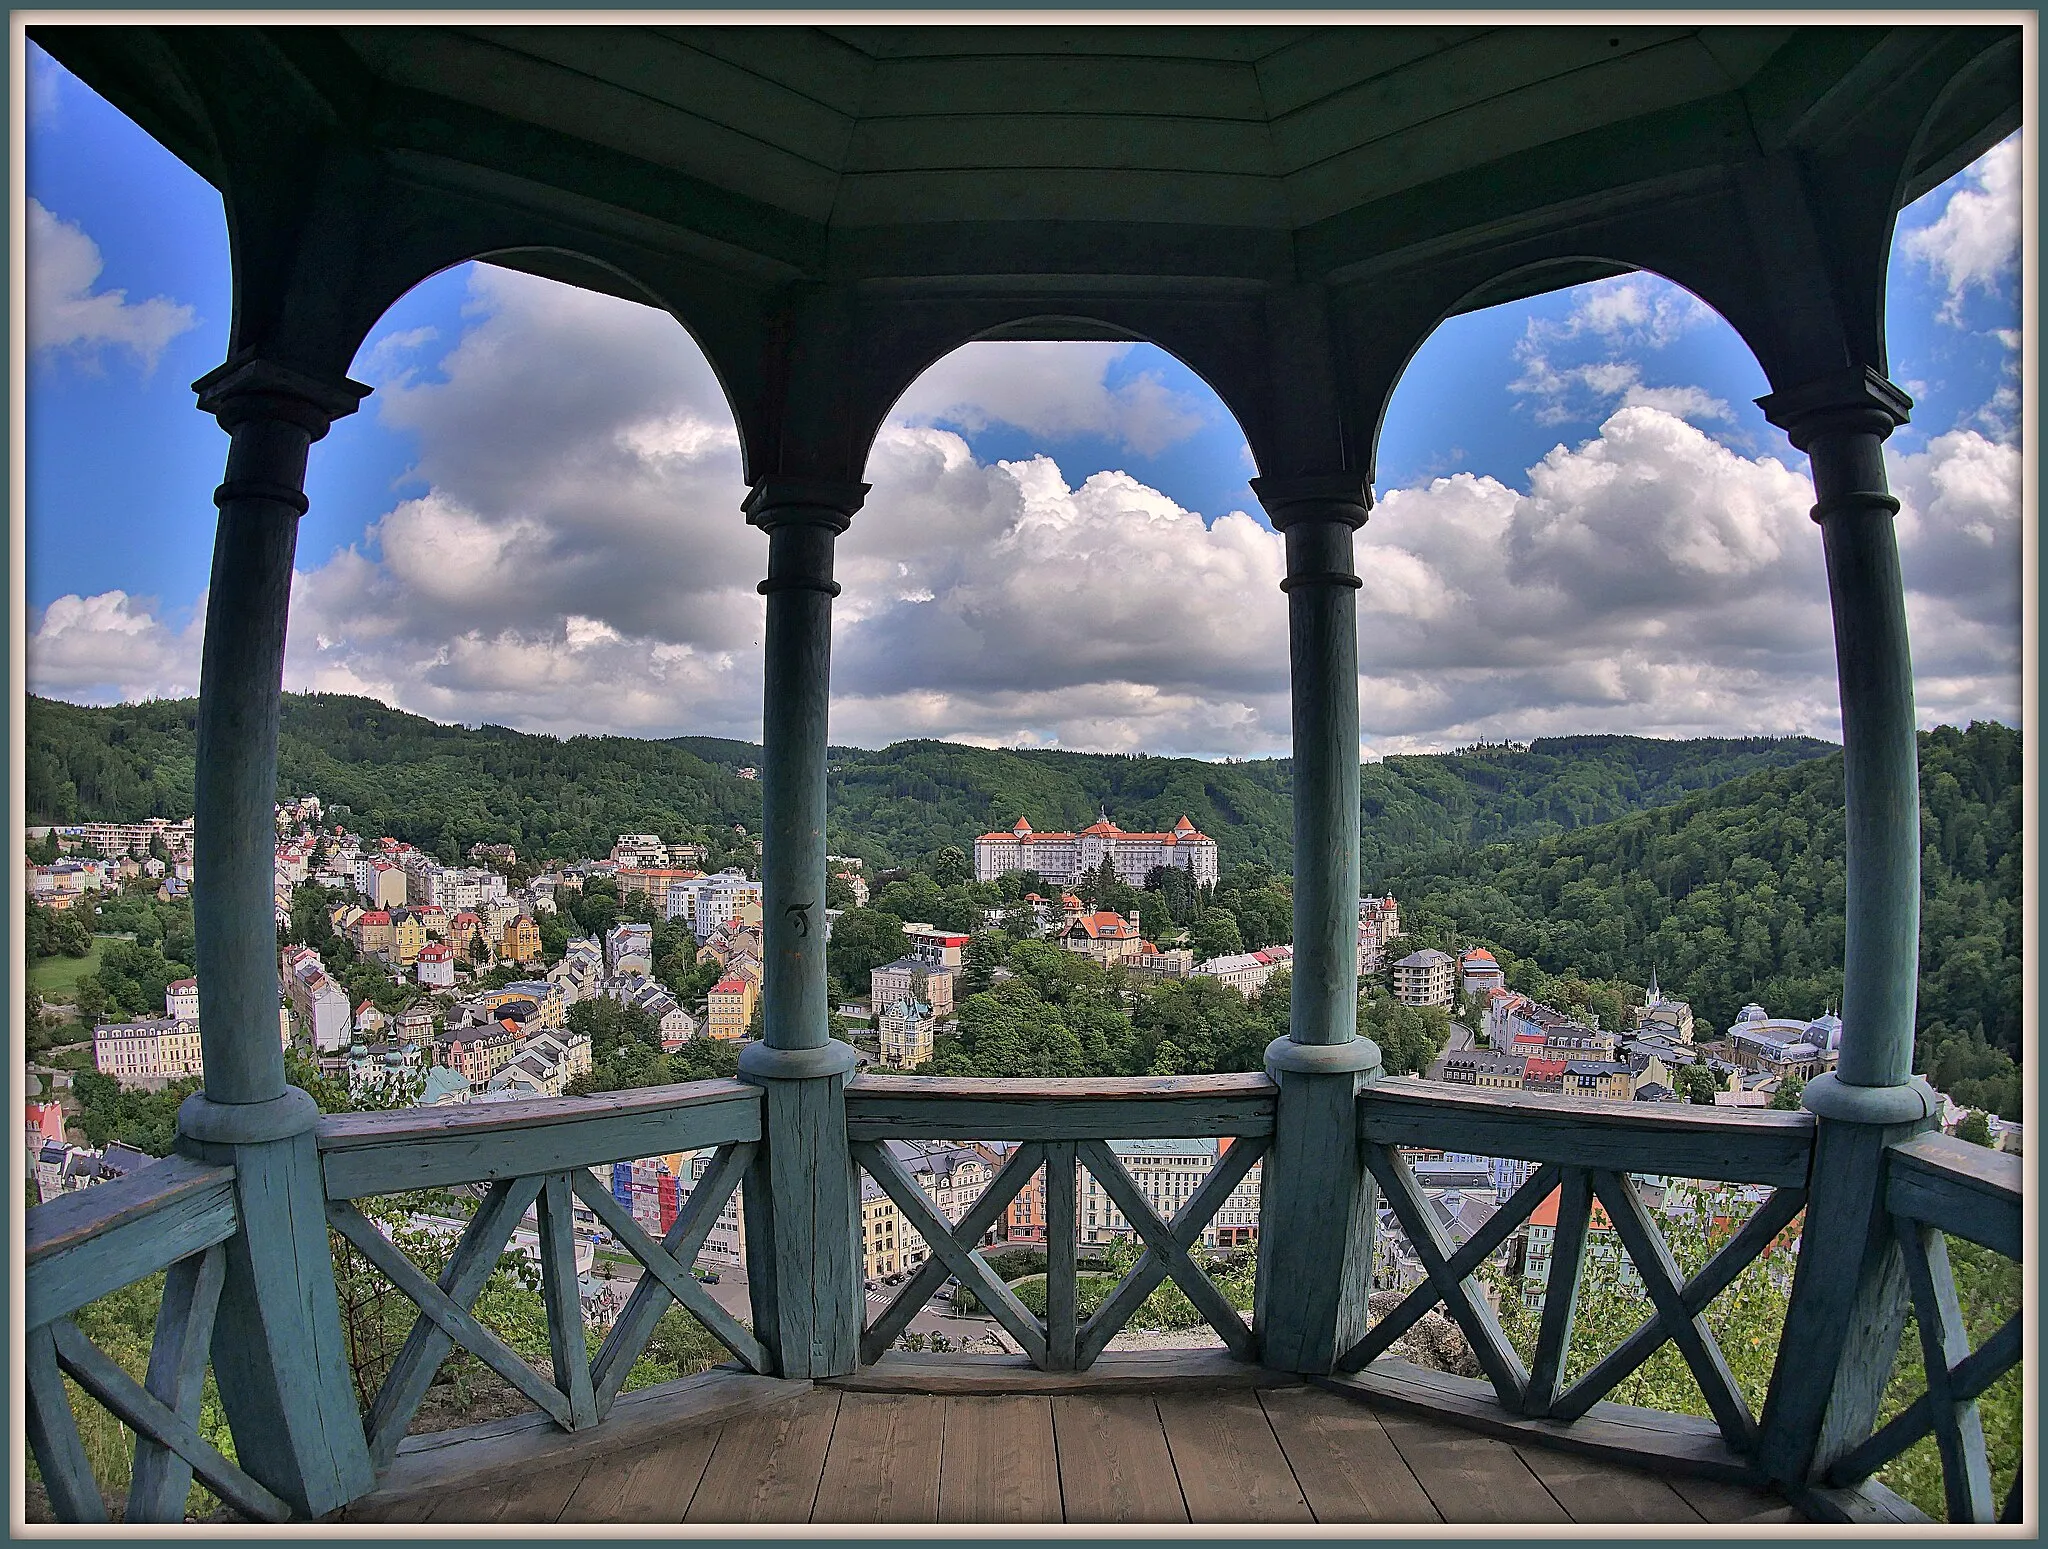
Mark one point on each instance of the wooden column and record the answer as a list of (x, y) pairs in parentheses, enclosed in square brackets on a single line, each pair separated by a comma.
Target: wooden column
[(1316, 1209), (1849, 1295), (278, 1354), (802, 1195)]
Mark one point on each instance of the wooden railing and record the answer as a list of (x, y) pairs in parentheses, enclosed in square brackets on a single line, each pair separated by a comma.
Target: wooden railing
[(1061, 1127), (179, 1216), (1935, 1188), (1585, 1152), (176, 1216), (537, 1155)]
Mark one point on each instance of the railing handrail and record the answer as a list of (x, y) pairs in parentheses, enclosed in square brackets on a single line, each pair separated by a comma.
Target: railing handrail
[(1059, 1108), (85, 1245), (1967, 1190), (1685, 1140), (412, 1148)]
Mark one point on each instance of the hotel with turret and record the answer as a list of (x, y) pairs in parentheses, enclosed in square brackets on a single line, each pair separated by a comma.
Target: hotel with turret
[(1063, 858)]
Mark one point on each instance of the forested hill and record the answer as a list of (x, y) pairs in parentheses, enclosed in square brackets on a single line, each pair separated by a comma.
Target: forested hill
[(447, 787), (1736, 894)]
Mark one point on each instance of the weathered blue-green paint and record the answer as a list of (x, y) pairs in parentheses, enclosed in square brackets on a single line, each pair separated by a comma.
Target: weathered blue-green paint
[(1098, 1108), (82, 1246), (1849, 1292), (53, 1433), (1732, 1145), (279, 1360), (1967, 1379), (1697, 1295), (1317, 1199), (1461, 1299), (135, 1407), (668, 1271), (802, 1203), (161, 1479), (1498, 1228), (1015, 1172), (420, 1148), (563, 1298), (1966, 1190), (1945, 1345), (1560, 1292), (1062, 1240), (650, 1299), (429, 1343), (961, 1259)]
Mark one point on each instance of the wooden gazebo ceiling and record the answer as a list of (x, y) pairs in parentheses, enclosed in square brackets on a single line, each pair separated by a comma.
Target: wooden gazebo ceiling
[(923, 150)]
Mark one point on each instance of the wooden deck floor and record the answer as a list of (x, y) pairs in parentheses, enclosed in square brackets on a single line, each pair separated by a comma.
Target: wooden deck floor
[(1124, 1452)]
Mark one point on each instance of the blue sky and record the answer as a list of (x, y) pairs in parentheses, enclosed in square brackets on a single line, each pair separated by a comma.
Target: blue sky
[(479, 550)]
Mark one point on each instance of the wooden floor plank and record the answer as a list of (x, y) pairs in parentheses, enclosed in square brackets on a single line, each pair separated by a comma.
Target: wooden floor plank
[(766, 1466), (1592, 1491), (652, 1485), (1343, 1459), (883, 1464), (1115, 1465), (537, 1498), (1230, 1464), (1717, 1501), (999, 1463), (1471, 1478)]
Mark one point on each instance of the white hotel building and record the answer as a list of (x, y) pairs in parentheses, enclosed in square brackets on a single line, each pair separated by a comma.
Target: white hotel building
[(1062, 858)]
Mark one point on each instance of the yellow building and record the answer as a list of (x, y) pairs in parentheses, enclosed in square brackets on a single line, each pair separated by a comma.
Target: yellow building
[(730, 1007), (408, 938), (521, 941), (881, 1232)]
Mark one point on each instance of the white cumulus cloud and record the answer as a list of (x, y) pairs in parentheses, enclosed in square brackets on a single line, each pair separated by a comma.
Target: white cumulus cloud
[(65, 312), (578, 562), (1974, 244)]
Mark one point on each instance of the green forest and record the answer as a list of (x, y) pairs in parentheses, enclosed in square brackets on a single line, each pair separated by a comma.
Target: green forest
[(445, 788), (1735, 894)]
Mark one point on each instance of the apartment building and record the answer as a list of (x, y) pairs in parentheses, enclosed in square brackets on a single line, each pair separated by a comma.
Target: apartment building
[(1425, 978), (163, 1049)]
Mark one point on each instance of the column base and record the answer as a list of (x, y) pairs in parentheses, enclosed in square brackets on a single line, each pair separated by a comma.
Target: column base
[(1830, 1097), (1357, 1056), (291, 1112), (762, 1062)]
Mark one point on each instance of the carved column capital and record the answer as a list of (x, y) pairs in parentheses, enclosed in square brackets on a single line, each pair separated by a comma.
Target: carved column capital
[(780, 499), (1857, 399), (1315, 497), (257, 388)]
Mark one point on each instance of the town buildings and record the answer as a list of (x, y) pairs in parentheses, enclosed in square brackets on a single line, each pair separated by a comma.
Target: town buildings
[(1481, 972), (1106, 936), (146, 1053), (1379, 922), (730, 1007), (905, 1027), (1062, 858), (436, 965), (1425, 978), (1247, 972), (321, 1006)]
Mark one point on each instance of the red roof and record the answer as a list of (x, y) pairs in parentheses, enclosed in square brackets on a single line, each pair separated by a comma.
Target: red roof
[(182, 984), (729, 984), (374, 917), (437, 952)]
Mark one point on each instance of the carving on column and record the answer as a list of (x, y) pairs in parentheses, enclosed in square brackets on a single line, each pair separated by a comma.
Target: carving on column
[(259, 388)]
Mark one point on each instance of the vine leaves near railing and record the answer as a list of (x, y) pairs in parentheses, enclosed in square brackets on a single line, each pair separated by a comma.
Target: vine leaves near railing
[(1060, 1343), (1680, 1305), (668, 1278), (1646, 1246)]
